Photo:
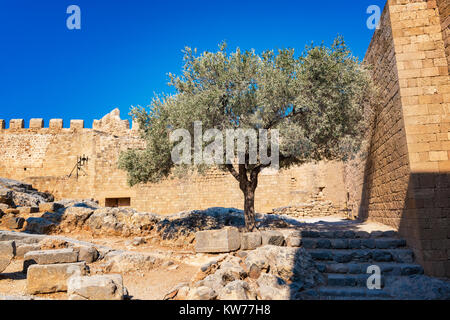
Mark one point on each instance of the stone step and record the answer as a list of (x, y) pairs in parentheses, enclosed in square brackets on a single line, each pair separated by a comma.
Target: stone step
[(334, 243), (350, 280), (348, 234), (387, 268), (363, 255), (350, 292)]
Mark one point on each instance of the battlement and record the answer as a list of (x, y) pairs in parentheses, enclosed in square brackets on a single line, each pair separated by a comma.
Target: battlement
[(110, 123)]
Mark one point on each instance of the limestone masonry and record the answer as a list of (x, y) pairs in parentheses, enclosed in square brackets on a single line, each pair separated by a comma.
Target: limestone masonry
[(403, 181)]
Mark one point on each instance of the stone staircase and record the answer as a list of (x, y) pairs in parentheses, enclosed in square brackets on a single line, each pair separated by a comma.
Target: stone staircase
[(344, 257)]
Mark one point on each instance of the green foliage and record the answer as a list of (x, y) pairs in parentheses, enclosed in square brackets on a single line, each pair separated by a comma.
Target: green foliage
[(315, 100)]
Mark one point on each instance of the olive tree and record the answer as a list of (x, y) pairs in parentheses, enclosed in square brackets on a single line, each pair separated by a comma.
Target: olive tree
[(314, 102)]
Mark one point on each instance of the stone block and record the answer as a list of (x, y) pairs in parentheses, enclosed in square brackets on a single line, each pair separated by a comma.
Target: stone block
[(98, 287), (87, 253), (36, 123), (25, 210), (271, 237), (7, 253), (8, 248), (294, 241), (23, 248), (49, 257), (56, 124), (14, 222), (52, 278), (218, 241), (39, 225), (77, 124), (250, 240), (16, 124), (12, 211), (49, 207)]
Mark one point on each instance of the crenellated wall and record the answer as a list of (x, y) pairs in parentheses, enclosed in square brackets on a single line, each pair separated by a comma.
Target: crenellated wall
[(46, 157)]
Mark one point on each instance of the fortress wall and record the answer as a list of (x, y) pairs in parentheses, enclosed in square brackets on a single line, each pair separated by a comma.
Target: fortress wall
[(46, 156), (444, 14), (378, 183), (405, 179)]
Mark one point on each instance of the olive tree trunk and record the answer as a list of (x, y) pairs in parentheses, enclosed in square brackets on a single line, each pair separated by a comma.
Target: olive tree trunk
[(249, 209), (248, 181)]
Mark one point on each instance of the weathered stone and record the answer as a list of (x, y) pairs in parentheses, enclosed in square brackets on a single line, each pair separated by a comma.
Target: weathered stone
[(202, 293), (271, 237), (49, 257), (75, 217), (52, 278), (250, 240), (271, 287), (120, 261), (12, 211), (362, 234), (88, 254), (417, 287), (290, 264), (98, 287), (339, 243), (39, 225), (49, 206), (175, 291), (217, 241), (213, 281), (236, 290), (254, 271), (293, 241), (23, 248), (14, 222), (25, 210), (7, 253)]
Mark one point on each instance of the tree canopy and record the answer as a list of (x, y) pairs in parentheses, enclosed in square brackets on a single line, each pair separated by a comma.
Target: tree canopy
[(315, 101)]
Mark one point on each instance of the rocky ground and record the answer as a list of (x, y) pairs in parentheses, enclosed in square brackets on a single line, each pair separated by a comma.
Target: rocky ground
[(146, 248)]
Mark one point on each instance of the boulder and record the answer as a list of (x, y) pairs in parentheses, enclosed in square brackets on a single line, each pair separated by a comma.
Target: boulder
[(16, 193), (23, 248), (7, 253), (202, 293), (122, 261), (49, 257), (14, 222), (294, 240), (250, 240), (271, 237), (74, 217), (98, 287), (52, 278), (218, 241), (39, 225), (5, 195), (236, 290), (289, 264), (271, 287)]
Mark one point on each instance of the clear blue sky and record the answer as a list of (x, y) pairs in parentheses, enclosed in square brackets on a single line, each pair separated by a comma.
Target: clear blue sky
[(124, 50)]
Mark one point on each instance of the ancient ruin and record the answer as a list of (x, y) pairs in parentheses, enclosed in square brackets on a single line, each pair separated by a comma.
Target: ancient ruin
[(321, 225)]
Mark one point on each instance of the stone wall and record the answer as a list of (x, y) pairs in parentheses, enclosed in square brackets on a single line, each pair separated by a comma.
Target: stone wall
[(404, 181), (444, 14), (46, 156)]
